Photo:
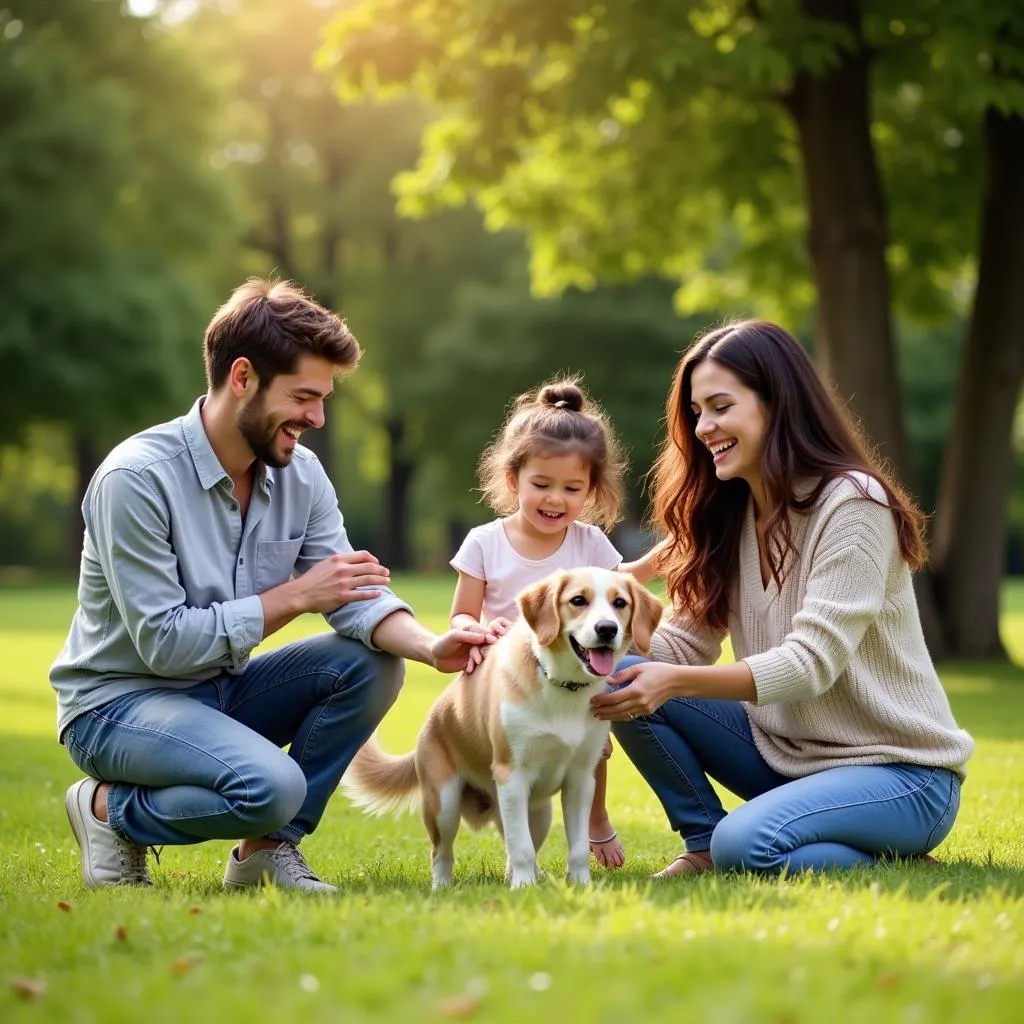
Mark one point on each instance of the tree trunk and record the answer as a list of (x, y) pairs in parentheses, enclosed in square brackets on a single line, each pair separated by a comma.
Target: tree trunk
[(970, 539), (396, 526), (87, 461), (848, 234)]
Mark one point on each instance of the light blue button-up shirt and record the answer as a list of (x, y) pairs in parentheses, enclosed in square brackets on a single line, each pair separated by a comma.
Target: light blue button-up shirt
[(171, 573)]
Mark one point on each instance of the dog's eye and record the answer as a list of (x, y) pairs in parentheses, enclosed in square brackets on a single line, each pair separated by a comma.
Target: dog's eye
[(620, 602), (579, 601)]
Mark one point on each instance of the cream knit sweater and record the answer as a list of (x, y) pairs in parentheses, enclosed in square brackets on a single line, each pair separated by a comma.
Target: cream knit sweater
[(838, 656)]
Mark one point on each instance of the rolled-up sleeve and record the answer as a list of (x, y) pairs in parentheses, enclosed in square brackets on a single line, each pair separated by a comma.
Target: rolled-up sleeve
[(681, 641), (130, 526), (325, 536)]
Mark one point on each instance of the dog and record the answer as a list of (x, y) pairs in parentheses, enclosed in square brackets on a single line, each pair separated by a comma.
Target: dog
[(499, 743)]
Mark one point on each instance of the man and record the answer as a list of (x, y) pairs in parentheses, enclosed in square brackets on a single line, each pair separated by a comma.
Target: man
[(203, 536)]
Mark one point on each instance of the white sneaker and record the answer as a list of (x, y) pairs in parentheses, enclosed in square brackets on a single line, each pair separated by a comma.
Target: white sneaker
[(283, 866), (107, 859)]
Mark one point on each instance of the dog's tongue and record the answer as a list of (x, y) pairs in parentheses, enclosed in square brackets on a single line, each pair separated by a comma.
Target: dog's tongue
[(601, 659)]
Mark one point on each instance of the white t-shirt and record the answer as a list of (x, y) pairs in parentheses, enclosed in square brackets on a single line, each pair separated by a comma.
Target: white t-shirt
[(487, 555)]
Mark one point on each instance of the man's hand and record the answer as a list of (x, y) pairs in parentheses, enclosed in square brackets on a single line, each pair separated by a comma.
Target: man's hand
[(455, 650), (340, 580)]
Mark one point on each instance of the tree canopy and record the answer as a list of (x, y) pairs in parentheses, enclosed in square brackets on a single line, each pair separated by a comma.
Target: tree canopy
[(841, 156), (107, 200)]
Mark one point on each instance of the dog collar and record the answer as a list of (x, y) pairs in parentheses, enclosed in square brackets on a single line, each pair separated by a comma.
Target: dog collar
[(571, 685)]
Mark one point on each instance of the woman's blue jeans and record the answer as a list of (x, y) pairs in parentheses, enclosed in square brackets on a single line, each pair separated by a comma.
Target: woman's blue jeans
[(836, 818), (206, 762)]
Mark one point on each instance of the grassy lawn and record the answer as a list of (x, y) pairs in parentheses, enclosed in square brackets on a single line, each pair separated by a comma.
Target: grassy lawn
[(903, 944)]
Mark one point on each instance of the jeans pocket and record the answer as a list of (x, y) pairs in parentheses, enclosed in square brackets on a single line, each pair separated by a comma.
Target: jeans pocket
[(79, 754), (945, 824)]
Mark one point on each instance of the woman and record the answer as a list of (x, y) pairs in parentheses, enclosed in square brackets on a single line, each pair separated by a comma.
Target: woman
[(785, 532)]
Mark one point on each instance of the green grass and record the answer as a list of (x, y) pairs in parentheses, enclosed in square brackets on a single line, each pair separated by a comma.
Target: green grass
[(904, 943)]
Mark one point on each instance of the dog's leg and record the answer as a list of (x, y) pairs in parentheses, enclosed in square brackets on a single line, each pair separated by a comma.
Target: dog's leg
[(441, 814), (577, 796), (540, 823), (514, 802)]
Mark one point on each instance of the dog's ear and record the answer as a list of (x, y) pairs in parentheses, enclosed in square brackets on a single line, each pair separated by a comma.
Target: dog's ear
[(647, 612), (539, 606)]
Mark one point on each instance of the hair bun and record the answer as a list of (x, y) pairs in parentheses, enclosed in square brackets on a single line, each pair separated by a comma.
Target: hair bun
[(563, 395)]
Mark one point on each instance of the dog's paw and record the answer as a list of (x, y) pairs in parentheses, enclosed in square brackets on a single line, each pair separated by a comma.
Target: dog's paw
[(520, 878), (523, 881)]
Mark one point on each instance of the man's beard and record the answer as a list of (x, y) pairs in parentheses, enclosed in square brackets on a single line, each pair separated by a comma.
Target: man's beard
[(259, 432)]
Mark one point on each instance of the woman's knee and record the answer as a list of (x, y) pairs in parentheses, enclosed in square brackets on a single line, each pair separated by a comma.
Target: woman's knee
[(742, 842), (629, 661)]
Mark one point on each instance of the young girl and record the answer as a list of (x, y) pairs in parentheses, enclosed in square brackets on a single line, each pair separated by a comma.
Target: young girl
[(552, 475), (785, 531)]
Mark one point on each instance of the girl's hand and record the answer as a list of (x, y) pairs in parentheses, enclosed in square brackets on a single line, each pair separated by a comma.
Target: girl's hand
[(651, 683), (499, 626), (475, 655), (460, 646)]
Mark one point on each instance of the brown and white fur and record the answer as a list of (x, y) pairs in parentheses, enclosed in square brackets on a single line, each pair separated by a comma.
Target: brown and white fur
[(498, 744)]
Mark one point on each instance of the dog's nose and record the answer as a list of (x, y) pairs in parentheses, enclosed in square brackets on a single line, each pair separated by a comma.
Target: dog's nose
[(606, 629)]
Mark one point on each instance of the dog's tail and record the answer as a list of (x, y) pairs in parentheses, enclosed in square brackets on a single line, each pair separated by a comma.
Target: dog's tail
[(382, 783)]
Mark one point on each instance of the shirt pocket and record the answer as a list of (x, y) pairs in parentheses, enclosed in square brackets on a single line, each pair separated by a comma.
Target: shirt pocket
[(275, 562)]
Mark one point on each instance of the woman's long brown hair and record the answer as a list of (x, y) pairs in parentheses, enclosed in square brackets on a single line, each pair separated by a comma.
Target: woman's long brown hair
[(809, 438)]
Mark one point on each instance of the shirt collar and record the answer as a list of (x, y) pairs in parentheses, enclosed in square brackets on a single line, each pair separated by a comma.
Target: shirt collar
[(208, 466)]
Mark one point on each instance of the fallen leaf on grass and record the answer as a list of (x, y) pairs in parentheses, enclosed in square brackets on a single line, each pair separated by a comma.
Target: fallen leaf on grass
[(179, 874), (65, 906), (184, 964), (458, 1006), (27, 988), (195, 910), (121, 933), (888, 980)]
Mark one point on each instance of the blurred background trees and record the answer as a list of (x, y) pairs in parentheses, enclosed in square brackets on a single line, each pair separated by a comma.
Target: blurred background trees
[(508, 191)]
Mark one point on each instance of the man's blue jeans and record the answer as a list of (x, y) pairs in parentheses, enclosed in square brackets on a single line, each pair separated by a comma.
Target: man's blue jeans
[(207, 763), (835, 818)]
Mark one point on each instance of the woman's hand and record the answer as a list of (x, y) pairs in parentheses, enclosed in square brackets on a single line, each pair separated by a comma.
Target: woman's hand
[(642, 688)]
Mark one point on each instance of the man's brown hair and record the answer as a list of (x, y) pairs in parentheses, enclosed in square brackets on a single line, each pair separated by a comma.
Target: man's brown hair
[(272, 324)]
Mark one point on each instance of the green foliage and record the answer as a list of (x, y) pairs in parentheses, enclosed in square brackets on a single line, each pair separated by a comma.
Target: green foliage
[(929, 363), (501, 342), (107, 202), (316, 182), (629, 140), (895, 943)]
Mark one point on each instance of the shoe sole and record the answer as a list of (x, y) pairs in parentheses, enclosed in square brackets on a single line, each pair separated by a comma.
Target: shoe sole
[(273, 885), (74, 813)]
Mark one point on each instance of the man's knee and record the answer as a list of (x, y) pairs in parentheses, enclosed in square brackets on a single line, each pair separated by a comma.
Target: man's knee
[(388, 675), (275, 791)]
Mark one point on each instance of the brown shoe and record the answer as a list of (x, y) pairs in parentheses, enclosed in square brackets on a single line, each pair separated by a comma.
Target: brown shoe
[(692, 863)]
